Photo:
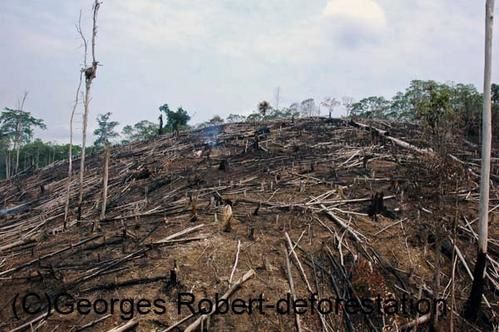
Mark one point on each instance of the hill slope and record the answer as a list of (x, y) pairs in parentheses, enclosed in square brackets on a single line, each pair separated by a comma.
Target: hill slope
[(304, 188)]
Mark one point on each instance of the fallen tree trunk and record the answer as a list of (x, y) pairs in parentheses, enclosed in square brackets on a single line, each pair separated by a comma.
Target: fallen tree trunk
[(356, 235), (127, 326), (227, 294), (396, 141), (19, 267)]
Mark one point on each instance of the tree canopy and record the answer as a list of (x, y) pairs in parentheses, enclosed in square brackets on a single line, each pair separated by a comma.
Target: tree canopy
[(18, 125), (105, 130), (175, 120), (142, 130), (263, 107), (429, 102)]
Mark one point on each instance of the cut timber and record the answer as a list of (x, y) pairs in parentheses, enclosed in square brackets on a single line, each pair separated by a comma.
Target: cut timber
[(227, 294), (16, 243), (396, 141), (105, 180), (235, 262), (292, 289), (292, 251), (31, 322), (178, 234), (125, 327), (356, 235), (324, 257), (419, 321), (19, 267), (92, 323), (183, 320)]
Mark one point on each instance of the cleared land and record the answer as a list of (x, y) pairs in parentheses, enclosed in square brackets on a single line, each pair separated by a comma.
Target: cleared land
[(312, 180)]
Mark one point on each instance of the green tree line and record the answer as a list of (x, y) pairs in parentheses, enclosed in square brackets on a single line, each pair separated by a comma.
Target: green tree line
[(21, 153), (433, 104)]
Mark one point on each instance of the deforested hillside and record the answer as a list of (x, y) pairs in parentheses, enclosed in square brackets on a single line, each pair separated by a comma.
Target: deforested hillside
[(376, 222)]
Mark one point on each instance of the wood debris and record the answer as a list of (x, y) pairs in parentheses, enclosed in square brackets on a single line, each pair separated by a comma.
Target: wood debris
[(309, 184)]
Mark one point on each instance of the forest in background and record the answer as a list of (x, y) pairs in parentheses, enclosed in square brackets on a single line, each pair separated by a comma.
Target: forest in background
[(439, 107)]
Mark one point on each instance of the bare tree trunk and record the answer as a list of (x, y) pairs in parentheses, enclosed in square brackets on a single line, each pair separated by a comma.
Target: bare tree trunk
[(10, 164), (18, 150), (83, 142), (105, 178), (472, 306), (7, 162), (17, 144), (70, 151), (19, 133), (89, 76)]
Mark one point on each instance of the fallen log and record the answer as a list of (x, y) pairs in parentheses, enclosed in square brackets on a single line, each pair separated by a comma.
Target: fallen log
[(183, 320), (125, 327), (356, 235), (178, 234), (292, 289), (127, 283), (92, 323), (92, 275), (227, 294), (396, 141), (38, 318), (22, 266)]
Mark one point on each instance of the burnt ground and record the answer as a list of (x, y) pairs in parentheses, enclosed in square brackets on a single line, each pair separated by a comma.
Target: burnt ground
[(313, 179)]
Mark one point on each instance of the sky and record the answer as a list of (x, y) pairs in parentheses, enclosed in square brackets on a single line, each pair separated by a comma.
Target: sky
[(224, 56)]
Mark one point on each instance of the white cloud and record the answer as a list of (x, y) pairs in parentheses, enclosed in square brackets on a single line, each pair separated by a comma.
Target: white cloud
[(204, 54), (365, 11), (156, 24), (296, 44)]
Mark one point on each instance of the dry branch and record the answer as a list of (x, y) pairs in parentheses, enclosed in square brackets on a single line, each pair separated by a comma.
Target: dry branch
[(397, 141), (235, 261), (292, 289), (22, 266), (356, 235), (179, 234), (227, 294), (125, 327)]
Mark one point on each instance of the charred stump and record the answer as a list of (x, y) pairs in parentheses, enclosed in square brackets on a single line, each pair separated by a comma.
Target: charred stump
[(475, 299), (376, 207), (160, 129), (251, 233), (224, 165)]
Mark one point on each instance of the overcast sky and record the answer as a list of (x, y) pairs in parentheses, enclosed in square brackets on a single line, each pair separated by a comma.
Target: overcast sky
[(224, 56)]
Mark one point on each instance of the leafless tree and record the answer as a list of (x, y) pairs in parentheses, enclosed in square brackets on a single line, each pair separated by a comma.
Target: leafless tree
[(307, 107), (472, 306), (75, 106), (347, 103), (105, 178), (330, 103), (19, 130), (90, 73)]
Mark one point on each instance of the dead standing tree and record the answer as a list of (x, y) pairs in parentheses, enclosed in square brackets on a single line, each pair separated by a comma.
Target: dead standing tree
[(473, 305), (19, 135), (75, 106), (105, 180), (330, 103), (90, 73)]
